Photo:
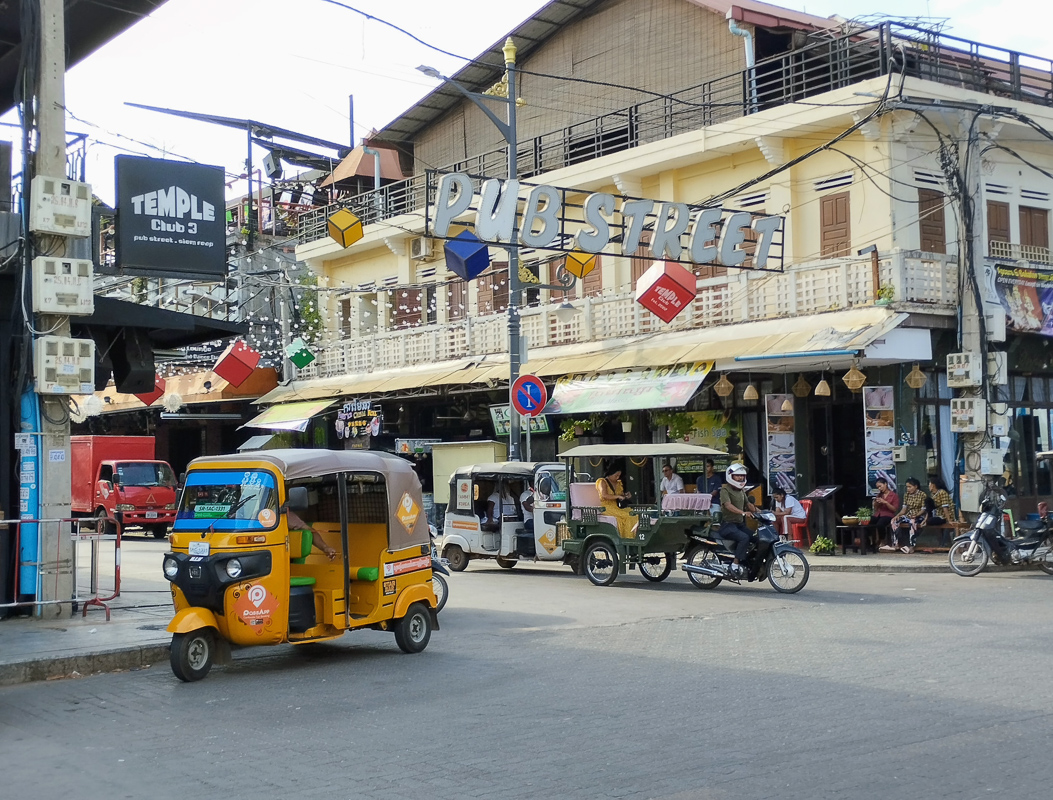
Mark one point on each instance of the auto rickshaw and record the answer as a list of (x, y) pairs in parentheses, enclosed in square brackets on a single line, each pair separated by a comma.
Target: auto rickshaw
[(241, 574)]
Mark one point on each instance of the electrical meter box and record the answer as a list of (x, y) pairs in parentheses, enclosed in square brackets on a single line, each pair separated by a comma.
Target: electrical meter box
[(998, 419), (63, 365), (60, 206), (997, 368), (963, 370), (970, 492), (992, 461), (63, 286), (968, 415)]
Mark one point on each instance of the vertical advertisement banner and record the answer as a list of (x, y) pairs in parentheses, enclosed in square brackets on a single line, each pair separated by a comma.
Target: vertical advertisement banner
[(879, 425), (782, 450)]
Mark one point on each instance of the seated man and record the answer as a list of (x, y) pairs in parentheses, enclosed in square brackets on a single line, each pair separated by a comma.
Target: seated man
[(526, 502), (671, 482), (735, 506), (499, 505)]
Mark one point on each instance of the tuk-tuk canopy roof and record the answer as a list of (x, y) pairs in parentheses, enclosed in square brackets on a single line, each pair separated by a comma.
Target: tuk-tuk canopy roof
[(638, 451), (301, 463), (505, 468)]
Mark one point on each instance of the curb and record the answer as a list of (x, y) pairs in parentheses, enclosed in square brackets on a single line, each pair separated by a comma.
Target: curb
[(905, 568), (43, 669)]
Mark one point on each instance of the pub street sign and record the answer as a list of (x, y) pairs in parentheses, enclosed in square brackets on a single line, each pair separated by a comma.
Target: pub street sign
[(680, 232)]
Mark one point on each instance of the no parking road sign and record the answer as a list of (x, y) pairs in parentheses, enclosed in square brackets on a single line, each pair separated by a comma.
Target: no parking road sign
[(529, 395)]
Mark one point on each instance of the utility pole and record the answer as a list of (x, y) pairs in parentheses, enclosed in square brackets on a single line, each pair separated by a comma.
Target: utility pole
[(515, 292)]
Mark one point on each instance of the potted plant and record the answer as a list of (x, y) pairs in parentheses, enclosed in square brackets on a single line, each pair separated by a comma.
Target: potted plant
[(626, 421), (885, 295), (678, 424), (863, 515), (822, 546)]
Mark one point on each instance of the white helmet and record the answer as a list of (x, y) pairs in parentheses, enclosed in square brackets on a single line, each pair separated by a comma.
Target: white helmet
[(736, 475)]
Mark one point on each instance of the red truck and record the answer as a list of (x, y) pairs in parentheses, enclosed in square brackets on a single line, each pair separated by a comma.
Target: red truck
[(118, 478)]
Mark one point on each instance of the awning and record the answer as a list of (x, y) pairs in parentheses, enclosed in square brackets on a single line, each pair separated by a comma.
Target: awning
[(255, 442), (668, 449), (288, 416), (660, 387)]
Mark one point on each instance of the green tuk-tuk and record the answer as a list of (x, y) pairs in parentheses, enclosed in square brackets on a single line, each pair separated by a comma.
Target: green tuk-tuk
[(590, 538)]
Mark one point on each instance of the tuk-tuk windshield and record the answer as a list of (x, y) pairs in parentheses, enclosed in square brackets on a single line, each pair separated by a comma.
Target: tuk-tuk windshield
[(229, 500), (550, 485)]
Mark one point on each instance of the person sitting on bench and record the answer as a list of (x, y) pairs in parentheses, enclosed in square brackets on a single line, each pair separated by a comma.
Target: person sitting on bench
[(939, 508)]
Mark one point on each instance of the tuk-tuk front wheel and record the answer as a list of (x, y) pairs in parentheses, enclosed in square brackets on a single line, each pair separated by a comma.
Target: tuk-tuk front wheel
[(506, 563), (601, 563), (192, 654), (456, 556), (413, 631)]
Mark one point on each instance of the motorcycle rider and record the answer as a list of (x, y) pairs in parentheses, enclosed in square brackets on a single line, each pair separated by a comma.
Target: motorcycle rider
[(735, 506)]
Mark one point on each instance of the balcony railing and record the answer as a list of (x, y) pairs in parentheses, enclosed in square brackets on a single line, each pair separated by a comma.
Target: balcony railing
[(1020, 252), (827, 60), (917, 278)]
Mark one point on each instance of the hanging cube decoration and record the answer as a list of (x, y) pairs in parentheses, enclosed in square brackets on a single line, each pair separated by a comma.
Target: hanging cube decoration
[(666, 289), (344, 227), (580, 264), (158, 392), (299, 353), (466, 256), (236, 363)]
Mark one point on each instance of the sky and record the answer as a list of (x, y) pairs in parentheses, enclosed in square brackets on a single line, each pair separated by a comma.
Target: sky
[(293, 63)]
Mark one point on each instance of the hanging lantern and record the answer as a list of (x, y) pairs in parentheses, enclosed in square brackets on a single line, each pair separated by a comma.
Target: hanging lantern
[(854, 379), (787, 406), (916, 378), (802, 388), (299, 353), (750, 393), (723, 387), (822, 389)]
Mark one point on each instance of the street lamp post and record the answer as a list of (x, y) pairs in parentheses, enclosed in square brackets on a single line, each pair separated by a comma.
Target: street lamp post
[(508, 131)]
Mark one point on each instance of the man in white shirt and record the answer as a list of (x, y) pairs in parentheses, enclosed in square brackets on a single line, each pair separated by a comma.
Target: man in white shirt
[(788, 510), (671, 482), (526, 502), (499, 505)]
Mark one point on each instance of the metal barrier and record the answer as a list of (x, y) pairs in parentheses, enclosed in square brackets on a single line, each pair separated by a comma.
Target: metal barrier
[(77, 534)]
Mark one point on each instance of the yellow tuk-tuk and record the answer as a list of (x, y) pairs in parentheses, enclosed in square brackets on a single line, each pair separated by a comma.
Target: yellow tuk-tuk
[(353, 553)]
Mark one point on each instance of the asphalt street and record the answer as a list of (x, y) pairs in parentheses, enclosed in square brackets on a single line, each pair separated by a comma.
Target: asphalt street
[(542, 685)]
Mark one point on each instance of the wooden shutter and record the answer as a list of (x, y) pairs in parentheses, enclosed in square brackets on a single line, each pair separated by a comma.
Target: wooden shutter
[(642, 259), (493, 290), (997, 221), (835, 234), (455, 300), (932, 221), (345, 317), (1034, 227), (592, 284), (484, 295), (407, 307)]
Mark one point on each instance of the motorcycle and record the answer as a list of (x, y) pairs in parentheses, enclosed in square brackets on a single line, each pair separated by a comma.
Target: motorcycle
[(1033, 543), (438, 571), (708, 560)]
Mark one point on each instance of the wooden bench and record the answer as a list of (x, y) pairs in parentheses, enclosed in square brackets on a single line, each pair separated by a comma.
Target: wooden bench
[(938, 532)]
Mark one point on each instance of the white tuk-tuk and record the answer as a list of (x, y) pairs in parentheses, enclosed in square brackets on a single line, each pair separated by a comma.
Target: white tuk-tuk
[(504, 530)]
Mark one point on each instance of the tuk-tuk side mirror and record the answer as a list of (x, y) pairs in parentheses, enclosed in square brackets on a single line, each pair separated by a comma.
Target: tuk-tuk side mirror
[(297, 499)]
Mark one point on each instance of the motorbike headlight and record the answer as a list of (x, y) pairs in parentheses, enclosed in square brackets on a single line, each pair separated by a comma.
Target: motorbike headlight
[(170, 507), (171, 568), (233, 568), (125, 507)]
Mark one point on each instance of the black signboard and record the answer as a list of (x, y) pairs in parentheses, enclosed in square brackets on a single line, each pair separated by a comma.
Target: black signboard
[(171, 219)]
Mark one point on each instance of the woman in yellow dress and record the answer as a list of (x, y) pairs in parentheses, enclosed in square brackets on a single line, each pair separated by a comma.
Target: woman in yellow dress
[(610, 490)]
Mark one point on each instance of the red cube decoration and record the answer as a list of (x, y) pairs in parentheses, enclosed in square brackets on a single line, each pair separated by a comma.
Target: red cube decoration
[(666, 289), (159, 390), (237, 363)]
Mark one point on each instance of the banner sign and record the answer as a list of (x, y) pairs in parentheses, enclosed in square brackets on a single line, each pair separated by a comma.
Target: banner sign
[(1027, 297), (357, 417), (879, 427), (170, 220), (659, 387), (501, 418), (782, 447), (718, 430)]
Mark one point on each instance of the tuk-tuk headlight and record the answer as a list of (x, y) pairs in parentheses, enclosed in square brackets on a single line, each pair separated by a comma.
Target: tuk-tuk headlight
[(171, 568), (233, 568)]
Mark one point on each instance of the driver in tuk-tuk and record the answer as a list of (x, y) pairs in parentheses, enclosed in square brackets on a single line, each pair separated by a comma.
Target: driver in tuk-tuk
[(296, 523), (526, 502)]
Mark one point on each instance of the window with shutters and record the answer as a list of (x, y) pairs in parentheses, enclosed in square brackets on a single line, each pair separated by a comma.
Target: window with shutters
[(1034, 228), (407, 312), (641, 260), (997, 221), (932, 221), (456, 299), (493, 290), (835, 234), (592, 284), (345, 318)]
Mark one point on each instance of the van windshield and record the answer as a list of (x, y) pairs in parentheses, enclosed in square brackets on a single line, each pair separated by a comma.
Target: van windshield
[(228, 500), (145, 473)]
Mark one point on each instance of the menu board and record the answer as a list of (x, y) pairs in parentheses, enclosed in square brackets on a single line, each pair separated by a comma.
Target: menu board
[(782, 449), (879, 425), (357, 417)]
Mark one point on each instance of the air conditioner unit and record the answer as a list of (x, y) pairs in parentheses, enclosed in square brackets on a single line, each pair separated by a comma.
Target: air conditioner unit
[(963, 370), (420, 247), (63, 365), (968, 415), (63, 286), (60, 206)]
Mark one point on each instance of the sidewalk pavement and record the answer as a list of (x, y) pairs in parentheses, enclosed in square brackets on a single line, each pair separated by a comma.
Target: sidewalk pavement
[(135, 637)]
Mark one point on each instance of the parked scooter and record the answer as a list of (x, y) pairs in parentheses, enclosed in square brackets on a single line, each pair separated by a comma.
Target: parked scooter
[(708, 559), (984, 542), (438, 572)]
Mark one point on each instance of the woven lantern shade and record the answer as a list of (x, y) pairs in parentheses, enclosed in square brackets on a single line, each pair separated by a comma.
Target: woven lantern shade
[(854, 379), (750, 393), (916, 378), (822, 389), (801, 388), (723, 387)]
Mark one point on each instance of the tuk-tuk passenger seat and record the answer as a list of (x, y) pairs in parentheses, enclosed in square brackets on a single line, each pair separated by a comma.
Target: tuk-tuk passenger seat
[(299, 548)]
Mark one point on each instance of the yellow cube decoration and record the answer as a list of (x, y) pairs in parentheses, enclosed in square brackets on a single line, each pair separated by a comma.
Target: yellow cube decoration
[(344, 227), (580, 264)]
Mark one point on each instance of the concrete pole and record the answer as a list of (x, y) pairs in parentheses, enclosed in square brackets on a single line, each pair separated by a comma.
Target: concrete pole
[(515, 293), (56, 550)]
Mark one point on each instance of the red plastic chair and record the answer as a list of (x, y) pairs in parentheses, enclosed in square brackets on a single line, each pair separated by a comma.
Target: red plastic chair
[(799, 533)]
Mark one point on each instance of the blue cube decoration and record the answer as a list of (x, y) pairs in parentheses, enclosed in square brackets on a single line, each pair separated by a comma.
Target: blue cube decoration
[(466, 256)]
